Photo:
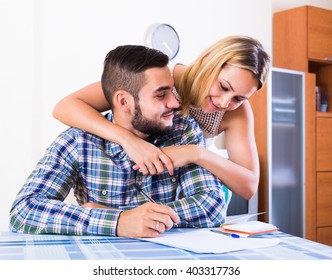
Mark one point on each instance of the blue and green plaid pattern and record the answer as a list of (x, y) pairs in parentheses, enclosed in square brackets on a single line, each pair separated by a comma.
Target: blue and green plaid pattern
[(100, 171)]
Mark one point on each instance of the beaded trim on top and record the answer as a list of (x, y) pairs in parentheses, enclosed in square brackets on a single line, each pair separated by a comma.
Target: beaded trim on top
[(209, 122)]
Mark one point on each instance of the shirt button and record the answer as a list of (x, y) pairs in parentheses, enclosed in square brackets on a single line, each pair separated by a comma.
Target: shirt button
[(173, 180), (104, 192)]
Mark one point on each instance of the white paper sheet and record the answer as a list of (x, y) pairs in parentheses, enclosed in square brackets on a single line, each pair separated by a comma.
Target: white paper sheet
[(205, 241), (241, 218)]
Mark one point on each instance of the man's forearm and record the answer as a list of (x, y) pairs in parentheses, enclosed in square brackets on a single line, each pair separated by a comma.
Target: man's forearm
[(38, 216), (201, 210)]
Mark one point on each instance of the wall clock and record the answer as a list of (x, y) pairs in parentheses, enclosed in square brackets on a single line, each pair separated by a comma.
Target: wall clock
[(164, 38)]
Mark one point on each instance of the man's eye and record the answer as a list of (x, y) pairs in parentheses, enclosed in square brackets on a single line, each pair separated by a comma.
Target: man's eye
[(162, 95)]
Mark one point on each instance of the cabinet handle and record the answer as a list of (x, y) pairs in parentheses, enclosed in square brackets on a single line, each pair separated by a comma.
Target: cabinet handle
[(328, 58)]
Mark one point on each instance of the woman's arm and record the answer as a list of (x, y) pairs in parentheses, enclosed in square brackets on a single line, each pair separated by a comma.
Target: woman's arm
[(243, 164), (82, 109), (240, 173)]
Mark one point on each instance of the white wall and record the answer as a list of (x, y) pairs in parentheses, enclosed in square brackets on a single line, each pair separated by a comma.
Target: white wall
[(51, 48), (16, 89)]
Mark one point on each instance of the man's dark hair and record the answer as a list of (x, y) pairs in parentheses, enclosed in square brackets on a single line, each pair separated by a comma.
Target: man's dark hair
[(124, 69)]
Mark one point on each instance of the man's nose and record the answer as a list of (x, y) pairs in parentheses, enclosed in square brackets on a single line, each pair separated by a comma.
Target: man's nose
[(173, 102)]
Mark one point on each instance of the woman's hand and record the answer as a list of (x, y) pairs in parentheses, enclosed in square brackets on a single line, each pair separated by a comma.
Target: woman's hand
[(148, 158), (182, 155)]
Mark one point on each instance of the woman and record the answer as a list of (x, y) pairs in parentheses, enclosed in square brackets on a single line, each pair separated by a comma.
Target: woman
[(215, 90)]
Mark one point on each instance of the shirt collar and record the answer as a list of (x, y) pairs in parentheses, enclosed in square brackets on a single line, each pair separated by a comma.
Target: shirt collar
[(112, 148)]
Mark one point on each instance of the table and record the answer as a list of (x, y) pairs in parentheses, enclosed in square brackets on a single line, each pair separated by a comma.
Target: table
[(14, 246)]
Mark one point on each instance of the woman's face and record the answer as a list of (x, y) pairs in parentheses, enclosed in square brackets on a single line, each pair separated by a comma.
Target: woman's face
[(232, 87)]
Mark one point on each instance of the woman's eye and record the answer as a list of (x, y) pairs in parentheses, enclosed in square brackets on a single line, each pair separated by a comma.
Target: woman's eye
[(238, 99), (224, 88)]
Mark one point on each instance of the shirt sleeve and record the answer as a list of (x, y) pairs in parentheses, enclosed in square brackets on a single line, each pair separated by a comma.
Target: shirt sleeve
[(39, 206), (203, 203)]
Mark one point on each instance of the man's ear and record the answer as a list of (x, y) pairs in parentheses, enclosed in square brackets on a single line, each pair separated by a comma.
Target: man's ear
[(122, 100)]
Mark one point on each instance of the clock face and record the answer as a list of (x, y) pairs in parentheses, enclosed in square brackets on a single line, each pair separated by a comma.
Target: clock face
[(164, 37)]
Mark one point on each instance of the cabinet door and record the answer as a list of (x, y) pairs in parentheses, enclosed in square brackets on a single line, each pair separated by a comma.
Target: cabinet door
[(324, 199), (319, 34), (324, 144), (324, 235)]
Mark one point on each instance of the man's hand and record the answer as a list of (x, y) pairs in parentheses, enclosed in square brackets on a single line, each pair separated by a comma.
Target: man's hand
[(147, 220)]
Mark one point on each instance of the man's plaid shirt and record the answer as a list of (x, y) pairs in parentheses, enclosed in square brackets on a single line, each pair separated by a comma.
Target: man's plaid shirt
[(100, 171)]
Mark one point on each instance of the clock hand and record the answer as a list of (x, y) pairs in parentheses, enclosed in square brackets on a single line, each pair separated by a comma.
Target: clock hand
[(167, 47)]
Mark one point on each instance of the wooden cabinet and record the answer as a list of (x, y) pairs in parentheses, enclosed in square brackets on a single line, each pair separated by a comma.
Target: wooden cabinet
[(319, 30), (324, 207), (324, 143), (324, 177), (309, 37), (258, 103), (302, 40), (324, 195)]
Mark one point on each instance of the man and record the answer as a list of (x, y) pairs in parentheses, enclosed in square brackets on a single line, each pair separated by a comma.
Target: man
[(138, 84)]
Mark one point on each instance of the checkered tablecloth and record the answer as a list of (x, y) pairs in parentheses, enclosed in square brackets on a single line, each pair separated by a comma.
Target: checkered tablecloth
[(60, 247)]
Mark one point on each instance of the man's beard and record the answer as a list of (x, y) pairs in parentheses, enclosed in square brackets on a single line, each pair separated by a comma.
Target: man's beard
[(147, 126)]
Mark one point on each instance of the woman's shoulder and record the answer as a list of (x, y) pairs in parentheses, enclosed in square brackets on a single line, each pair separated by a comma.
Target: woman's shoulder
[(177, 71), (242, 116)]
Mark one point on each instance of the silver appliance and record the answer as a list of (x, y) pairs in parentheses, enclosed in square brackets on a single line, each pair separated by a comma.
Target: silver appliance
[(286, 150)]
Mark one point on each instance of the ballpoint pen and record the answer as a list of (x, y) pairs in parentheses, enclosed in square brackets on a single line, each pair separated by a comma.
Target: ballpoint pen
[(234, 235), (149, 198)]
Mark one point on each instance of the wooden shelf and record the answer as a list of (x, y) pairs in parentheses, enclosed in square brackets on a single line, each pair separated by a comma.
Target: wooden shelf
[(324, 114)]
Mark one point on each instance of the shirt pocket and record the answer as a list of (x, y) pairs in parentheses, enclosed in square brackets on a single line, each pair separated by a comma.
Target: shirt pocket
[(164, 188)]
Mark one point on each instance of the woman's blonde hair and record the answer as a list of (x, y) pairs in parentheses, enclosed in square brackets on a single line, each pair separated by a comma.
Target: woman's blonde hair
[(240, 51)]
